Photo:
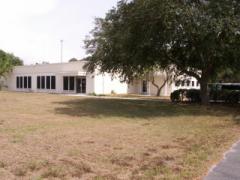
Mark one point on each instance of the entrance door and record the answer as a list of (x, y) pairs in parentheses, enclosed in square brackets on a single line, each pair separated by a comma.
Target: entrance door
[(81, 85)]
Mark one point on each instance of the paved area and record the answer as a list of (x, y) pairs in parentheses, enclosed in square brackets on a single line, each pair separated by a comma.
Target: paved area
[(229, 167)]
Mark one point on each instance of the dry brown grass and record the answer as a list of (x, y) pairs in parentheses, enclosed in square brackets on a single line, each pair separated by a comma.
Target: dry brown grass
[(59, 137)]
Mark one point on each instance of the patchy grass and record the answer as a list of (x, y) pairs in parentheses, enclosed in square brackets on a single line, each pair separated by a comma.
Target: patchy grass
[(52, 136)]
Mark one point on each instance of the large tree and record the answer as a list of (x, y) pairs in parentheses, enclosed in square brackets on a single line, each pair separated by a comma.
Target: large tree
[(197, 38), (7, 62)]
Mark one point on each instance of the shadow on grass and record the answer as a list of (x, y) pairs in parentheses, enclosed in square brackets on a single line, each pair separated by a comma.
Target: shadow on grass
[(135, 108)]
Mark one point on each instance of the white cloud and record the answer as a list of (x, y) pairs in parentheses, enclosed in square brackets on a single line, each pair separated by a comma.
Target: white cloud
[(14, 9), (32, 29)]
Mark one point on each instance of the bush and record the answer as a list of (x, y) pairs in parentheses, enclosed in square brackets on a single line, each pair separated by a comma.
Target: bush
[(190, 95), (233, 97), (227, 96), (193, 95), (178, 95), (175, 96)]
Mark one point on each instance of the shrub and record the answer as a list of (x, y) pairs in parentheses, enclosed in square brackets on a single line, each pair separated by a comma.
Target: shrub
[(178, 95), (193, 95), (175, 96), (113, 92), (228, 96), (92, 94), (233, 97)]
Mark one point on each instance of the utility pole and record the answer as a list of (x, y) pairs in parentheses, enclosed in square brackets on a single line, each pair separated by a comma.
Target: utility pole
[(61, 50)]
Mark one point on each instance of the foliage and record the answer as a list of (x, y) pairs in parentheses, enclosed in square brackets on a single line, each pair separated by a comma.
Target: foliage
[(227, 96), (73, 60), (178, 95), (229, 75), (7, 61), (193, 95), (196, 38), (190, 95)]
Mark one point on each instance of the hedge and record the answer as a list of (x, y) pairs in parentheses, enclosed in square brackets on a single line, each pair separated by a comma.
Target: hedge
[(190, 95), (193, 96)]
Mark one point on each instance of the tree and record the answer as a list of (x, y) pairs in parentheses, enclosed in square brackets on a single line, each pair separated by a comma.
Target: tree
[(229, 75), (167, 77), (7, 62), (73, 60), (198, 38)]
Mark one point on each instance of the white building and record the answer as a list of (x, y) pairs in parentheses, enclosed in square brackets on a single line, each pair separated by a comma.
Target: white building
[(71, 78)]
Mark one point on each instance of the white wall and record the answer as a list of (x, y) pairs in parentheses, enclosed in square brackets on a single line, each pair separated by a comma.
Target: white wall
[(105, 84), (58, 70), (95, 83), (136, 86), (185, 86)]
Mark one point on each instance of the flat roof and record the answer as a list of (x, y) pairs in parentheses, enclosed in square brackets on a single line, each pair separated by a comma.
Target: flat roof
[(53, 64)]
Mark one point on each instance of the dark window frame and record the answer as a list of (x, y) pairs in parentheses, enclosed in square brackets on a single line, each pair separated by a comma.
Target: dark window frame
[(71, 83), (29, 82), (144, 86), (17, 82), (48, 82), (25, 82), (43, 82), (38, 82), (53, 82), (183, 83), (65, 83), (21, 82), (193, 83)]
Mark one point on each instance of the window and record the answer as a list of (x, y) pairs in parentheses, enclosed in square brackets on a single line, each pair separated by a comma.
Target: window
[(48, 82), (38, 82), (65, 83), (53, 82), (188, 83), (198, 84), (21, 82), (144, 86), (193, 83), (18, 82), (29, 82), (25, 82), (68, 83), (72, 84), (42, 82), (183, 83), (177, 83)]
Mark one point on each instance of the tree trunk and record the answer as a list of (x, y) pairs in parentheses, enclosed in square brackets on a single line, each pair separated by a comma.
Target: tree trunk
[(159, 88), (158, 92), (204, 92)]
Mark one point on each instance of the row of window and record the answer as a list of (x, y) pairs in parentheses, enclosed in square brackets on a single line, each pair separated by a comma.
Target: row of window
[(68, 83), (46, 82), (24, 82), (187, 83)]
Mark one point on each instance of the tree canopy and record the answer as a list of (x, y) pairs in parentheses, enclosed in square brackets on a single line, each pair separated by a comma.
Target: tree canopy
[(7, 62), (198, 38)]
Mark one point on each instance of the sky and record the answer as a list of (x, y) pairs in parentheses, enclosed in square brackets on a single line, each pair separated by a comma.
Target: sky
[(32, 29)]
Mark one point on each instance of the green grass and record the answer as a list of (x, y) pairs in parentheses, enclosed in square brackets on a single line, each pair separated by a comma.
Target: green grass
[(52, 136)]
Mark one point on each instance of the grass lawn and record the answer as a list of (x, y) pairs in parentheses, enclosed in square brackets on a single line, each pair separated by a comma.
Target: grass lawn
[(51, 136)]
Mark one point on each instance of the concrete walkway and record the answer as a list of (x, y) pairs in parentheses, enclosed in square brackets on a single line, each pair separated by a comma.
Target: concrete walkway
[(229, 167)]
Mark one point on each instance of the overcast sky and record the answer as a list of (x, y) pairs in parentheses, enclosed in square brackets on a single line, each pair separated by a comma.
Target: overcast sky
[(32, 29)]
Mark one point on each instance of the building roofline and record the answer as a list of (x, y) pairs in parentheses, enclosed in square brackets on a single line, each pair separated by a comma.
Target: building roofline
[(51, 64)]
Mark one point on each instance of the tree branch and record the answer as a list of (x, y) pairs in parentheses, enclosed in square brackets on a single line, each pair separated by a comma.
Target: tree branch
[(191, 73)]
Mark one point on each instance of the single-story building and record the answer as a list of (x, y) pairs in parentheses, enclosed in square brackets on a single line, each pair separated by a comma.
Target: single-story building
[(72, 78)]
